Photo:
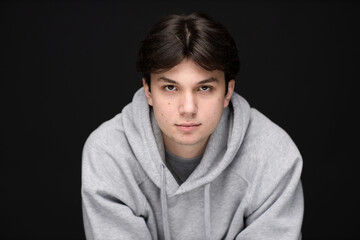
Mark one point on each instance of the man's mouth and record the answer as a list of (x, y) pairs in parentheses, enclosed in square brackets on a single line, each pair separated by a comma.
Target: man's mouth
[(187, 126)]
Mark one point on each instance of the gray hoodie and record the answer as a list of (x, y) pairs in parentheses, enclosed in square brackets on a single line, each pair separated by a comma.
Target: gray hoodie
[(247, 185)]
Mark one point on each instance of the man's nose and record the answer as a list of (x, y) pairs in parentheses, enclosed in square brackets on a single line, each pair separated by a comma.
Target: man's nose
[(188, 104)]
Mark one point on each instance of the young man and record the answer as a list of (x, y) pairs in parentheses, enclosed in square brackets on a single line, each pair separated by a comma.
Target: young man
[(188, 158)]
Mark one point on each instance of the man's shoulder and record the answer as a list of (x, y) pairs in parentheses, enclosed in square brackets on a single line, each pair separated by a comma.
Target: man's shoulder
[(266, 133), (108, 146), (267, 151), (267, 144), (108, 138)]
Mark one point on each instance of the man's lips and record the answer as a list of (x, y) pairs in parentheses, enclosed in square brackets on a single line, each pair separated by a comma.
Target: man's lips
[(187, 126)]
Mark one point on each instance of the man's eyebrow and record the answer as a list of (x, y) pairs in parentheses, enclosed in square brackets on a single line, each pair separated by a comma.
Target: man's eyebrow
[(208, 80), (164, 79)]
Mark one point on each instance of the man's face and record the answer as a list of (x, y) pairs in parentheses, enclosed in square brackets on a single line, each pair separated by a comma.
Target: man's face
[(188, 102)]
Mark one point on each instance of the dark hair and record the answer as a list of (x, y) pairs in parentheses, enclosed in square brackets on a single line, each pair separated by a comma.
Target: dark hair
[(195, 36)]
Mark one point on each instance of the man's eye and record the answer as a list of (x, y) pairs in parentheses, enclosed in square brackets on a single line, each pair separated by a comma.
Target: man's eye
[(205, 88), (170, 88)]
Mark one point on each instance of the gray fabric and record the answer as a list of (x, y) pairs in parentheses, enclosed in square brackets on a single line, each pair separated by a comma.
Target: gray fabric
[(247, 185), (181, 168)]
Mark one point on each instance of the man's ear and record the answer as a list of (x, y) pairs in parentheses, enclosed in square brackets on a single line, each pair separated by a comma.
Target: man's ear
[(230, 91), (147, 92)]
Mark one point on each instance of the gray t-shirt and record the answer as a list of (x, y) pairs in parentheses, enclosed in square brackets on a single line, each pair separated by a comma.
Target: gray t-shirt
[(181, 168)]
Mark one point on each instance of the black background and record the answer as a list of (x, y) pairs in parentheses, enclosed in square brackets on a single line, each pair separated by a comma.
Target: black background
[(66, 67)]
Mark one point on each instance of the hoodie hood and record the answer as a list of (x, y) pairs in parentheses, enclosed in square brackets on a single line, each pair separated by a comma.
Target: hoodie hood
[(144, 136)]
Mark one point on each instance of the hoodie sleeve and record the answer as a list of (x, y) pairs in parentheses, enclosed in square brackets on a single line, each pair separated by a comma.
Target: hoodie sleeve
[(112, 206), (276, 202)]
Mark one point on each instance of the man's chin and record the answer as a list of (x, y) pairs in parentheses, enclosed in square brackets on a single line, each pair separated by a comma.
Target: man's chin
[(190, 141)]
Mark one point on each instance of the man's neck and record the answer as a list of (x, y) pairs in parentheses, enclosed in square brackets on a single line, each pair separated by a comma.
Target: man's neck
[(186, 151)]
